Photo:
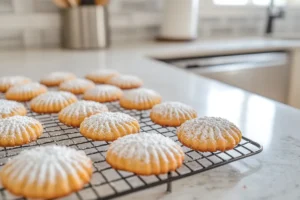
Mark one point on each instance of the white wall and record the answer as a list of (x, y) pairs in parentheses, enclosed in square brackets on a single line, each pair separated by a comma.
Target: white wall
[(36, 23)]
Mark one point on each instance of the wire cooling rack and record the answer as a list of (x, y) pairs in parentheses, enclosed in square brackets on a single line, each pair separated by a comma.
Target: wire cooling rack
[(108, 183)]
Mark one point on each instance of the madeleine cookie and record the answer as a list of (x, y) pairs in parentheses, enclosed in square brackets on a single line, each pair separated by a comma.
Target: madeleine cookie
[(8, 81), (11, 108), (109, 126), (140, 99), (56, 78), (125, 81), (103, 93), (145, 154), (25, 92), (19, 130), (75, 113), (101, 76), (52, 102), (77, 86), (209, 134), (172, 113), (46, 172)]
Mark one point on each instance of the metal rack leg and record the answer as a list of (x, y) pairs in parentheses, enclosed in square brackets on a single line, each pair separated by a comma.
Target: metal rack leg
[(169, 184)]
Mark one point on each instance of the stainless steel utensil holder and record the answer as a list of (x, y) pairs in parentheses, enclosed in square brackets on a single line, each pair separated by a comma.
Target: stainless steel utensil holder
[(85, 27)]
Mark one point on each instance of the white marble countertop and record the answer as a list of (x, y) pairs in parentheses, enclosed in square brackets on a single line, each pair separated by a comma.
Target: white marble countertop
[(167, 50), (272, 174)]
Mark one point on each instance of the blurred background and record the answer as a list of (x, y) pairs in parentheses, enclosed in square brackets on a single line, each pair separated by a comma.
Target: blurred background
[(37, 23)]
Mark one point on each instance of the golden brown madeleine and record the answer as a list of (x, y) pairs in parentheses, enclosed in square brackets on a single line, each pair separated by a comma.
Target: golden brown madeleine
[(77, 86), (172, 113), (109, 126), (101, 75), (11, 108), (209, 134), (145, 154), (19, 130), (140, 99), (52, 102), (8, 81), (56, 78), (125, 81), (25, 92), (103, 93), (75, 113), (46, 172)]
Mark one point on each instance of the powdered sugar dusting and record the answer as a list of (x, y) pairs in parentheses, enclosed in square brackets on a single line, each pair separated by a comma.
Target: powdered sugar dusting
[(76, 84), (206, 127), (13, 80), (103, 121), (44, 164), (103, 91), (108, 126), (146, 147), (140, 95), (8, 81), (83, 108), (7, 107), (102, 73), (13, 126), (125, 80), (53, 96), (27, 88), (173, 109), (58, 77)]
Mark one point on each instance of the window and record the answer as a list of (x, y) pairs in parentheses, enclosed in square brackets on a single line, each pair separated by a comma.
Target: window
[(231, 2), (261, 2), (293, 2), (268, 2), (280, 2), (253, 2)]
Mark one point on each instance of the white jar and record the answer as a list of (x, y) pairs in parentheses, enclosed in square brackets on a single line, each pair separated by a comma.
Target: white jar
[(180, 20)]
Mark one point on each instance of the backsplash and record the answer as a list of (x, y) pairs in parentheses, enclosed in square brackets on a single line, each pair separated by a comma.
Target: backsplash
[(290, 23), (36, 23)]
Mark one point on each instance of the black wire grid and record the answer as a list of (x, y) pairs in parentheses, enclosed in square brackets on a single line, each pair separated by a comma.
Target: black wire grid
[(107, 182)]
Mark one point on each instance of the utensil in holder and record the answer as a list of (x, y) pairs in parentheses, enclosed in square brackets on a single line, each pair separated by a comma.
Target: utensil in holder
[(85, 27)]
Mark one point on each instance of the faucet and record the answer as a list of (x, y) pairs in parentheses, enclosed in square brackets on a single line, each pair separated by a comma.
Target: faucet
[(273, 13)]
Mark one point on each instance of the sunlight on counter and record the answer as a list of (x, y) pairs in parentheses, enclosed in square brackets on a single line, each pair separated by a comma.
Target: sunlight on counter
[(236, 106), (260, 119), (225, 103)]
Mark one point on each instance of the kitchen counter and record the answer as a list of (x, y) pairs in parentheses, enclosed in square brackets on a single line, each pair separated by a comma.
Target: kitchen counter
[(169, 50), (272, 174)]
